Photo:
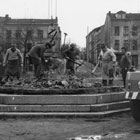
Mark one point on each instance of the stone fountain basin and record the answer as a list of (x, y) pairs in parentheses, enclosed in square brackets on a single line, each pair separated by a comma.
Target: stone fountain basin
[(47, 91)]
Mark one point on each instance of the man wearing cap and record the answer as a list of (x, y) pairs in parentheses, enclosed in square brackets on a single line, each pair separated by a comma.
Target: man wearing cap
[(36, 57), (108, 59)]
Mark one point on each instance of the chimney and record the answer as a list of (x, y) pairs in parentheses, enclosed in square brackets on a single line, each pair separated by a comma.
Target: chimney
[(109, 12), (7, 16)]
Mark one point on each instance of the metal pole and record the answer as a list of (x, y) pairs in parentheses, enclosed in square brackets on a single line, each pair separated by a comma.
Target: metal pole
[(52, 9), (48, 9), (65, 34), (55, 8)]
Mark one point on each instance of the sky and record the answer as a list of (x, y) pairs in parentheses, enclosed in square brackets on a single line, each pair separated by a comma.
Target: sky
[(75, 17)]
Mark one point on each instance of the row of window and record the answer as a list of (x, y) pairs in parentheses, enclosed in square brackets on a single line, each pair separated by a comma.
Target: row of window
[(133, 31), (19, 34), (126, 43)]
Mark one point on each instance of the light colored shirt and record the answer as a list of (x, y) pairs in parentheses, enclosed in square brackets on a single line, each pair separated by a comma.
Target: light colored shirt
[(108, 55), (10, 55)]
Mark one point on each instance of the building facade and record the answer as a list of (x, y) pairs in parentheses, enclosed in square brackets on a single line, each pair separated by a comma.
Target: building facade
[(93, 40), (27, 32), (122, 29)]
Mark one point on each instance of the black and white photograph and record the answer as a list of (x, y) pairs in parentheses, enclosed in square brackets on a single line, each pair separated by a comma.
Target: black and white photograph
[(69, 69)]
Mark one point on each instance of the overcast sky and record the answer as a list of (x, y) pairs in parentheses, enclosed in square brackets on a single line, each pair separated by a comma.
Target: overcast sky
[(75, 17)]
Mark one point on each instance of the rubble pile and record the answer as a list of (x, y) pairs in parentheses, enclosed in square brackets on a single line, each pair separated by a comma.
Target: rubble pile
[(65, 82)]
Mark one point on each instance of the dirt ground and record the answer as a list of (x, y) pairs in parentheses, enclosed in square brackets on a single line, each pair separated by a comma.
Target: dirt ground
[(66, 128)]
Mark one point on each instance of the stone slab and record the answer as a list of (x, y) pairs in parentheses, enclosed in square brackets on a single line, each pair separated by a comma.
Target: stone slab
[(65, 108), (62, 99), (62, 114)]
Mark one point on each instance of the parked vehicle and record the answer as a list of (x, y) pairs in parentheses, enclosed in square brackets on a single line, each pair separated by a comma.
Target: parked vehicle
[(133, 93)]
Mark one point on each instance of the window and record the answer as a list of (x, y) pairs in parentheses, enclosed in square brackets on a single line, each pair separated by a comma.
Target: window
[(40, 34), (126, 44), (116, 44), (134, 30), (126, 31), (18, 44), (134, 45), (135, 60), (117, 31), (8, 34), (29, 34), (29, 46), (8, 44), (18, 34), (120, 15)]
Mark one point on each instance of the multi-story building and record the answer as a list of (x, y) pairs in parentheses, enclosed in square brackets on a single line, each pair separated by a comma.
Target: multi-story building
[(93, 40), (122, 29), (27, 32)]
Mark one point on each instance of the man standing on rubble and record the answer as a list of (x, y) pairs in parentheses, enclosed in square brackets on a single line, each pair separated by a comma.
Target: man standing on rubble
[(13, 61), (124, 64), (108, 59), (70, 59), (36, 57)]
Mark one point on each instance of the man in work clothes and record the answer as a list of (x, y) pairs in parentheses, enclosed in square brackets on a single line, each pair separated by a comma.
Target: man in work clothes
[(108, 59), (36, 56), (70, 59), (13, 61), (124, 64)]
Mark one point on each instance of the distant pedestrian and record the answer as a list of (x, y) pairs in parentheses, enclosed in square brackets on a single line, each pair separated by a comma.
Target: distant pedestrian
[(13, 61), (108, 59), (36, 56), (124, 64)]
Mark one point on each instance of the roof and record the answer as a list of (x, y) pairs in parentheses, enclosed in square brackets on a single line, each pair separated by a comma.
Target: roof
[(121, 12), (96, 29), (9, 20), (129, 16)]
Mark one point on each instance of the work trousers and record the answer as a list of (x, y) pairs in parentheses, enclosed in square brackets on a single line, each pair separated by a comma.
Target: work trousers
[(12, 69), (109, 80), (70, 67), (38, 69), (124, 74)]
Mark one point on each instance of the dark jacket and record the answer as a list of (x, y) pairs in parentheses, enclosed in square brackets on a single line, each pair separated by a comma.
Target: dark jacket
[(71, 55), (124, 62), (37, 51)]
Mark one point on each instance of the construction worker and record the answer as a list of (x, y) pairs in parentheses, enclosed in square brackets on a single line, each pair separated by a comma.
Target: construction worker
[(36, 57), (70, 59), (108, 59), (124, 64), (13, 61)]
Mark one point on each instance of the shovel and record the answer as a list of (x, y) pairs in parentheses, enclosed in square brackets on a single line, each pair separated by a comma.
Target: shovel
[(93, 71)]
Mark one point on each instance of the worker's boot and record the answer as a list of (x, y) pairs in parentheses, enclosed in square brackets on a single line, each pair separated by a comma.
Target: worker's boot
[(104, 82), (110, 82)]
